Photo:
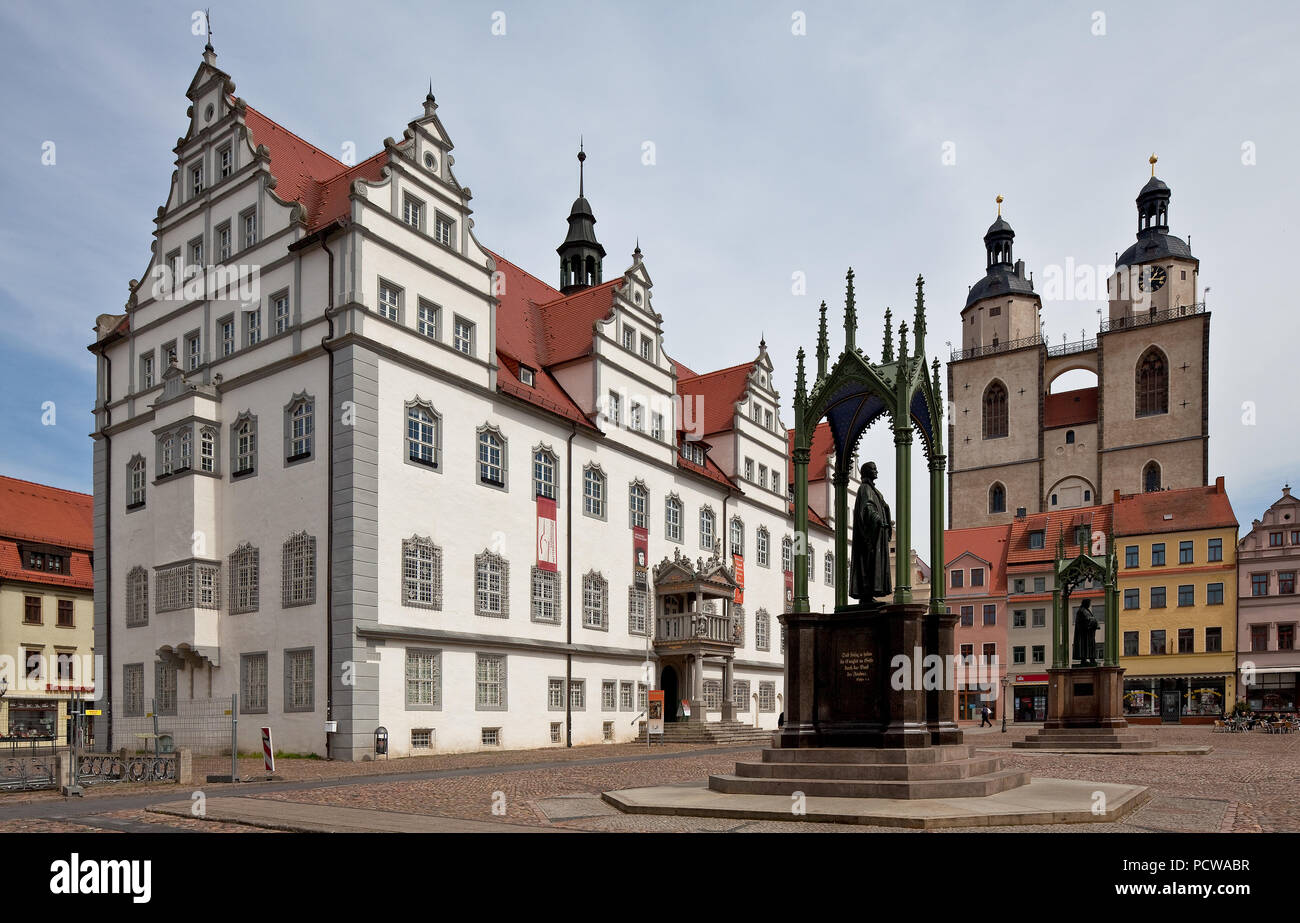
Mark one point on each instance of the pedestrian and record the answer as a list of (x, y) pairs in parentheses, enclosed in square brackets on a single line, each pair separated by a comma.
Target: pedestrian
[(984, 717)]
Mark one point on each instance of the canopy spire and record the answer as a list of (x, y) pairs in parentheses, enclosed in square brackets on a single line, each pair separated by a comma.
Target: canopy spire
[(850, 313), (800, 383), (823, 348), (887, 354), (919, 324)]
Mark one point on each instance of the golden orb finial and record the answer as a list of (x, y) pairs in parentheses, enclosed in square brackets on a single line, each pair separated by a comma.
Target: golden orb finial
[(1152, 160), (999, 201)]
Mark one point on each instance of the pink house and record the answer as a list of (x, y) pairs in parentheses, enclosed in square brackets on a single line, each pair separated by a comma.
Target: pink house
[(975, 581)]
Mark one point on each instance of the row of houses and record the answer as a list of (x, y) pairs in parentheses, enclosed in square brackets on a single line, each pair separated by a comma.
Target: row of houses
[(1207, 618)]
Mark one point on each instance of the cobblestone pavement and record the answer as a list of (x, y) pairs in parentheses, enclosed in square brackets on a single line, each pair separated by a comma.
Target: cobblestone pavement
[(1249, 783)]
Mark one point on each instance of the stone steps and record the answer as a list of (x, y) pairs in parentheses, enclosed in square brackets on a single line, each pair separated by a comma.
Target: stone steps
[(873, 772), (975, 787), (727, 732), (1085, 739), (869, 755)]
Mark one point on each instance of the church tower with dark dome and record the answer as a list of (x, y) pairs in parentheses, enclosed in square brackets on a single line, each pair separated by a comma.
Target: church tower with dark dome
[(581, 255)]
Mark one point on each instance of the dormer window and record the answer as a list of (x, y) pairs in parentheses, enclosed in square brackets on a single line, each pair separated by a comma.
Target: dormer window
[(526, 376), (1037, 538)]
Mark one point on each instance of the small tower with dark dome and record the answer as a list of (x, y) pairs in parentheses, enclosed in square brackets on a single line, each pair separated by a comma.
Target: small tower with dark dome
[(581, 255)]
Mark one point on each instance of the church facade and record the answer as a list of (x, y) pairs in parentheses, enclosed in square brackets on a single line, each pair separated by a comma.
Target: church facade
[(362, 471), (1016, 444)]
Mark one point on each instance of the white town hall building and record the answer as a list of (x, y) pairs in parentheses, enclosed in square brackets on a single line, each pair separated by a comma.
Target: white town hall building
[(385, 477)]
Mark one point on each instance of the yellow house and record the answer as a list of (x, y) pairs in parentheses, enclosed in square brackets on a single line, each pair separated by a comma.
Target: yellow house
[(1178, 603), (47, 619)]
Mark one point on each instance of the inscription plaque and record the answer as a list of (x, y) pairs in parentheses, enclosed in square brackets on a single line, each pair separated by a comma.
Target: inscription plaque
[(1082, 689), (855, 666)]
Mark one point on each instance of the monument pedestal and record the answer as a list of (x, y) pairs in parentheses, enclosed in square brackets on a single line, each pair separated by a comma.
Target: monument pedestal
[(843, 688), (1085, 697)]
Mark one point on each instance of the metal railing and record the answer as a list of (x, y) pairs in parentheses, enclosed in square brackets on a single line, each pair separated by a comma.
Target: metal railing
[(1129, 321), (1069, 349), (976, 351), (686, 625)]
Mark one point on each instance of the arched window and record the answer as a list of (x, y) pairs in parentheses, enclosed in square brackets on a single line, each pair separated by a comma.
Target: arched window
[(995, 410), (638, 501), (787, 554), (1151, 476), (491, 457), (300, 427), (208, 450), (187, 450), (997, 499), (1069, 437), (762, 546), (673, 518), (1152, 384), (737, 536), (422, 434), (544, 463), (244, 444), (593, 492), (706, 528), (136, 479)]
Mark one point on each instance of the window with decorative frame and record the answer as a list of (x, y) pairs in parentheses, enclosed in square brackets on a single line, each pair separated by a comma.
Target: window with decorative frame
[(608, 695), (298, 579), (208, 450), (995, 410), (137, 597), (787, 554), (300, 679), (578, 694), (299, 428), (673, 518), (713, 694), (828, 566), (638, 611), (638, 501), (164, 687), (426, 321), (545, 465), (491, 586), (762, 630), (133, 690), (491, 457), (740, 694), (593, 491), (763, 547), (192, 585), (490, 682), (423, 678), (421, 573), (280, 311), (706, 528), (595, 602), (423, 434), (245, 579), (545, 596), (555, 693), (767, 696), (136, 482), (253, 683), (1151, 384), (737, 536), (243, 445)]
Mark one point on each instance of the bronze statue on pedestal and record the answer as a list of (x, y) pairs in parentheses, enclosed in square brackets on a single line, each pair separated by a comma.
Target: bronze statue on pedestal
[(872, 530)]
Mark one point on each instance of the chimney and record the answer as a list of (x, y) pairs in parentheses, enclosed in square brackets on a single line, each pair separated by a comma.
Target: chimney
[(1286, 490), (1218, 484), (1020, 268)]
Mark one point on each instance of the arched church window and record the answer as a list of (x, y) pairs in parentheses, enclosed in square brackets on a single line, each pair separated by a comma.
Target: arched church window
[(997, 499), (1151, 476), (995, 410), (1152, 384)]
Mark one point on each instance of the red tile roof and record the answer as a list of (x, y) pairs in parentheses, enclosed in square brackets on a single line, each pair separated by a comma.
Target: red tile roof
[(1053, 524), (48, 515), (1182, 510), (988, 543), (1070, 408), (717, 394), (37, 513), (305, 173), (823, 447), (568, 322)]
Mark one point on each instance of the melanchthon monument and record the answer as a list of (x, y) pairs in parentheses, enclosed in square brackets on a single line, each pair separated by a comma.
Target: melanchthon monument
[(838, 688)]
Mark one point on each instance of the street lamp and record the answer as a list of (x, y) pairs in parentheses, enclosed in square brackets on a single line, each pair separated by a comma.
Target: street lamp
[(1006, 680)]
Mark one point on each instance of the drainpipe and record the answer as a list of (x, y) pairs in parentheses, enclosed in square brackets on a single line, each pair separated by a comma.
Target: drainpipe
[(329, 505), (108, 547), (568, 586)]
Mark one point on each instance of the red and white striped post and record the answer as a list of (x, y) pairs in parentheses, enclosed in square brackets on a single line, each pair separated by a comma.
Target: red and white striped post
[(268, 756)]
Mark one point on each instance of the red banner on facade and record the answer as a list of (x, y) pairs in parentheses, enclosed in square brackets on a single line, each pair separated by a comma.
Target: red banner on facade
[(548, 552), (789, 591), (738, 565), (640, 554)]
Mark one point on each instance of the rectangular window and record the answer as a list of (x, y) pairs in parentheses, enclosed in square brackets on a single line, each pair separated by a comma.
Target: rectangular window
[(164, 688), (421, 738), (645, 347), (593, 493), (767, 696), (390, 297), (65, 613), (967, 616), (1158, 554), (1158, 641), (1216, 550), (1040, 584), (673, 520), (146, 371), (133, 690), (280, 311), (958, 578), (977, 576), (625, 694), (1213, 640), (463, 336), (749, 469), (740, 694), (227, 336), (300, 680), (490, 682), (1286, 637), (298, 580), (608, 695), (301, 425), (196, 180), (1039, 652), (31, 610), (635, 417), (1186, 595), (990, 652), (1157, 597), (225, 161), (629, 338), (1018, 618), (1214, 594), (546, 596), (490, 737), (1275, 540), (253, 327), (196, 253), (248, 221), (657, 426), (1131, 600), (615, 408), (193, 351), (1018, 655), (442, 229), (1036, 539), (1185, 554), (578, 695), (1259, 584), (412, 210), (423, 686), (1130, 644), (426, 321), (1130, 555), (223, 242), (1186, 641), (638, 608), (555, 694), (1018, 585), (1286, 582), (990, 614)]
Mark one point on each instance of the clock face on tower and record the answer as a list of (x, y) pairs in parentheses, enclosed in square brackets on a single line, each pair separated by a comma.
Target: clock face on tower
[(1153, 280)]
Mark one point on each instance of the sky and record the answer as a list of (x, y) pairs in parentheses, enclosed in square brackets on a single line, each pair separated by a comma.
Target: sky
[(746, 145)]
